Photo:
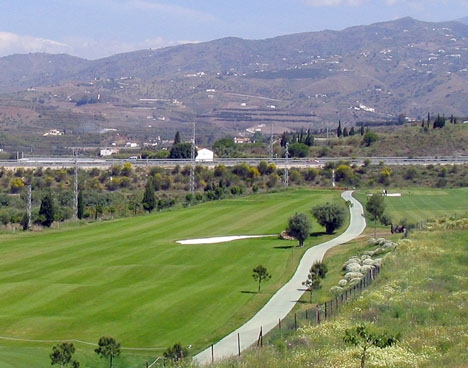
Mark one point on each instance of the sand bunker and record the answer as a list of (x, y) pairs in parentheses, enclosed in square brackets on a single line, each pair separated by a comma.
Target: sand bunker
[(220, 239)]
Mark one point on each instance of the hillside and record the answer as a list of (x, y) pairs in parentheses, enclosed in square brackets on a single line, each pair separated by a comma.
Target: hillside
[(310, 80)]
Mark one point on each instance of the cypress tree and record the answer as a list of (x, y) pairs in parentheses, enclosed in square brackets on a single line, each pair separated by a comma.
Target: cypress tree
[(149, 201), (46, 212), (80, 211), (339, 131)]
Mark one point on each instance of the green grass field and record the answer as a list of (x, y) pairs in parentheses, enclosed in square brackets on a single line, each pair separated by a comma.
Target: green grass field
[(129, 279), (420, 204)]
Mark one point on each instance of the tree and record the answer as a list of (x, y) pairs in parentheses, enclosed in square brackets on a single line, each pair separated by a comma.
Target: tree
[(329, 215), (225, 147), (80, 204), (149, 200), (361, 130), (176, 352), (316, 273), (299, 227), (46, 211), (260, 274), (339, 131), (24, 222), (298, 150), (369, 138), (361, 337), (62, 354), (108, 348), (177, 138), (375, 207), (181, 150), (309, 140)]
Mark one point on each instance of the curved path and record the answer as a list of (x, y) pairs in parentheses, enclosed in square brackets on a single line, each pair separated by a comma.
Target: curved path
[(285, 298)]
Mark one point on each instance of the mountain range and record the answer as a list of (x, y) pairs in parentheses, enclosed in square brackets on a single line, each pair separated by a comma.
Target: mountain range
[(377, 73)]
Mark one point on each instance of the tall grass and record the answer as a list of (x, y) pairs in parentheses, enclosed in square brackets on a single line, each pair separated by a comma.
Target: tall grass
[(421, 293)]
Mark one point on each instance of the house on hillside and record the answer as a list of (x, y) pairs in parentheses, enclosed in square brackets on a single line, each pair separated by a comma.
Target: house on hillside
[(204, 155)]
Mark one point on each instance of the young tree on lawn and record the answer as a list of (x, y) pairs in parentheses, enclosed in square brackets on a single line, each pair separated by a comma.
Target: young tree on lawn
[(299, 227), (316, 273), (375, 208), (260, 274), (361, 337), (108, 348), (46, 211), (329, 215), (62, 354), (149, 200)]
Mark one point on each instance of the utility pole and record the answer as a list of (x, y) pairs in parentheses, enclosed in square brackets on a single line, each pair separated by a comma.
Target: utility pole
[(192, 163), (75, 190), (286, 168), (29, 209), (271, 141)]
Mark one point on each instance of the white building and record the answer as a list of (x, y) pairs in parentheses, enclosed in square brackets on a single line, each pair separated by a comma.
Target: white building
[(204, 155)]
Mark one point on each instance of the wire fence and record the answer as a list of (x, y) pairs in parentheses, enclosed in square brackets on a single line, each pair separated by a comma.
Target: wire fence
[(320, 312)]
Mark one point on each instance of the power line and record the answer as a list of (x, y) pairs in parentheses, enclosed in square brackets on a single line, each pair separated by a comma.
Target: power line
[(286, 168)]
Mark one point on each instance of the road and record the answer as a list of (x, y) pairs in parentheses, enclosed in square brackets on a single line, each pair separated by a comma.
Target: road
[(61, 162), (284, 300)]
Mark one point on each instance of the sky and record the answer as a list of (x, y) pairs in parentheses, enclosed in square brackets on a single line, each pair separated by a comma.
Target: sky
[(95, 29)]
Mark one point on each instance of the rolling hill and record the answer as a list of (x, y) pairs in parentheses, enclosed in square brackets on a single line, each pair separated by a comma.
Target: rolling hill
[(365, 73)]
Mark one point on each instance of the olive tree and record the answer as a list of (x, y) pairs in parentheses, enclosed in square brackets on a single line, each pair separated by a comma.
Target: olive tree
[(330, 215), (299, 227)]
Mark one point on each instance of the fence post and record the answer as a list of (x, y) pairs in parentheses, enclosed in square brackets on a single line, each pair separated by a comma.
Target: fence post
[(212, 353), (260, 337), (295, 321), (279, 324), (307, 316), (238, 344)]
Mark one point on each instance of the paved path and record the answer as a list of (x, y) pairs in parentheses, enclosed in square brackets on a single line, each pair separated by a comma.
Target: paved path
[(284, 300)]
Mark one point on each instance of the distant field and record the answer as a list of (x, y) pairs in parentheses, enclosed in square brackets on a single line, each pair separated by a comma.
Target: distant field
[(418, 205), (130, 279)]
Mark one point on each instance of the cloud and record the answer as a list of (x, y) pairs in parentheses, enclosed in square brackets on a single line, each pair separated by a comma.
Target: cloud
[(94, 49), (11, 43)]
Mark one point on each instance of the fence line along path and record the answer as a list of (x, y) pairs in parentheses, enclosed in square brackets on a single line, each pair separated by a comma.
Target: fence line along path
[(285, 298)]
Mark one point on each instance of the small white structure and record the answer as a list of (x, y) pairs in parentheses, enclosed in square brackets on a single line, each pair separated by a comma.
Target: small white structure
[(107, 152), (204, 155)]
